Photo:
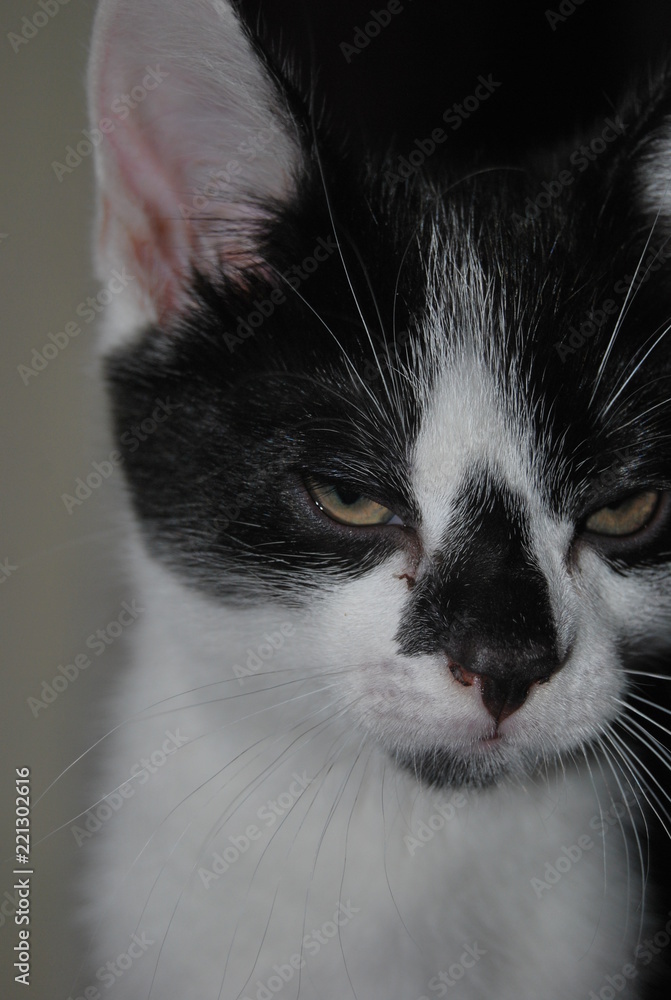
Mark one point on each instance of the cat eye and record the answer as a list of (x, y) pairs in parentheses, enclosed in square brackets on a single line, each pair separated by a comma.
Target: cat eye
[(347, 506), (625, 517)]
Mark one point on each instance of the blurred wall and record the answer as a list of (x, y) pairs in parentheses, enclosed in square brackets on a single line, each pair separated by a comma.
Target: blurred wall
[(55, 589)]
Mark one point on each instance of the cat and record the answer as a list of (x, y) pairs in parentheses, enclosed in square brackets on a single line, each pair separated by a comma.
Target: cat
[(398, 470)]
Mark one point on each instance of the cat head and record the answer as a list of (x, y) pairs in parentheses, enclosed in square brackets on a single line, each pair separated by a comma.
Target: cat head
[(433, 410)]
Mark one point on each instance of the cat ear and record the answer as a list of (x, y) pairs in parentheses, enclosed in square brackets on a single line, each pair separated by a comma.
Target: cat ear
[(655, 174), (195, 146), (650, 141)]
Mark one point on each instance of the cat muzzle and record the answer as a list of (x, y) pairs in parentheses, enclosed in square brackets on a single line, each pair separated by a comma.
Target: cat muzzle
[(501, 693)]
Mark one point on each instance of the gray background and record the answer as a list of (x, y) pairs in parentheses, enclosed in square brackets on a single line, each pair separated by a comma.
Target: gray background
[(61, 590)]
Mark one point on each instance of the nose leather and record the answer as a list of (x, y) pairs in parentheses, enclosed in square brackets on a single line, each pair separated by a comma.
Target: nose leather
[(505, 687)]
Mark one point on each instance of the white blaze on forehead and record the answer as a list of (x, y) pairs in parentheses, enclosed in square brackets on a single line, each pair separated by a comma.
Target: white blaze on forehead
[(476, 413), (473, 423), (468, 425)]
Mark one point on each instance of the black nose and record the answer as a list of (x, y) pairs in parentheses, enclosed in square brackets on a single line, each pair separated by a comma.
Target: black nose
[(504, 677)]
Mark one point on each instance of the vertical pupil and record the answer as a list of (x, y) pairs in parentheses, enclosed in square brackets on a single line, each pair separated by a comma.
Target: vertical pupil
[(347, 496)]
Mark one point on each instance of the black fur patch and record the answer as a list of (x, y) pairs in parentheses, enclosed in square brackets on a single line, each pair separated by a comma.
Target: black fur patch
[(321, 380), (485, 604), (316, 388)]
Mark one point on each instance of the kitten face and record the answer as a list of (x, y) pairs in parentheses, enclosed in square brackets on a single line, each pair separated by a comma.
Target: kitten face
[(483, 630), (411, 348)]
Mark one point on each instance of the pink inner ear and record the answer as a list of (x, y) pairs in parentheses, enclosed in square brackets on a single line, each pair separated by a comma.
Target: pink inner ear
[(162, 243), (181, 190), (155, 240), (140, 225)]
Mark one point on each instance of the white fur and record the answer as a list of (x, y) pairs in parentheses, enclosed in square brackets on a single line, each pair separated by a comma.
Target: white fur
[(336, 689), (343, 837), (311, 710)]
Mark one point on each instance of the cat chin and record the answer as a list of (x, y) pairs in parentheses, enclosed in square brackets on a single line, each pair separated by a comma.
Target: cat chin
[(487, 765)]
